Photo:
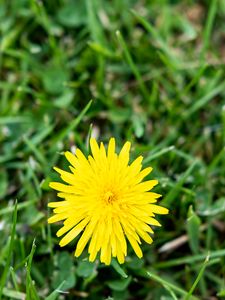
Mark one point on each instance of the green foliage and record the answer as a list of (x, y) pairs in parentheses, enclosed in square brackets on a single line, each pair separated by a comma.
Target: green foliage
[(155, 72), (119, 285), (193, 229), (65, 271), (73, 14), (85, 269)]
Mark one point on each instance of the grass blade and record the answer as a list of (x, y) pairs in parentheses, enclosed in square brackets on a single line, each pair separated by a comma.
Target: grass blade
[(209, 25), (200, 274), (10, 252), (171, 196), (118, 268), (193, 230), (94, 24), (64, 132), (198, 104), (55, 293), (37, 153), (132, 65), (20, 206), (158, 154), (190, 259), (169, 285), (31, 292), (156, 36), (13, 294)]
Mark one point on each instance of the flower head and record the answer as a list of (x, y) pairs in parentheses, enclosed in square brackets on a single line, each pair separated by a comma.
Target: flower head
[(106, 202)]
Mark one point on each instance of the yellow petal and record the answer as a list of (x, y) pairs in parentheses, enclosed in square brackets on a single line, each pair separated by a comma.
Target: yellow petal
[(66, 176), (145, 236), (119, 253), (108, 255), (92, 249), (62, 209), (150, 197), (71, 159), (96, 240), (152, 221), (136, 165), (105, 256), (124, 153), (85, 237), (102, 152), (113, 244), (111, 148), (73, 233), (82, 159), (68, 224), (120, 235), (65, 188), (127, 174), (158, 209), (94, 148), (57, 204), (57, 218), (146, 185), (135, 246), (142, 175)]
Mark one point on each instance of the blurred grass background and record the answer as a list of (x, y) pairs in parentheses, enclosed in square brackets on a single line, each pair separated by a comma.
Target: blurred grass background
[(155, 72)]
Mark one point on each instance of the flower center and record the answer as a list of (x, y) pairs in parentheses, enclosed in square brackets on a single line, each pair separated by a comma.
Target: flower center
[(109, 197)]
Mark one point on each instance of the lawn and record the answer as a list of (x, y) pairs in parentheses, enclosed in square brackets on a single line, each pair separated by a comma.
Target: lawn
[(148, 72)]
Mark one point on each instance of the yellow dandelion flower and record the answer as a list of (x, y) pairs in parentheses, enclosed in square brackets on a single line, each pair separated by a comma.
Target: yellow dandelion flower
[(106, 201)]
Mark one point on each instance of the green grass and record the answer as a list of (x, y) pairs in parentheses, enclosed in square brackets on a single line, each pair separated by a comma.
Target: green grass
[(155, 73)]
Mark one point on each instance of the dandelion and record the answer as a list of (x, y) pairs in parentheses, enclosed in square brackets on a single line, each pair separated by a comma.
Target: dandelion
[(105, 202)]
